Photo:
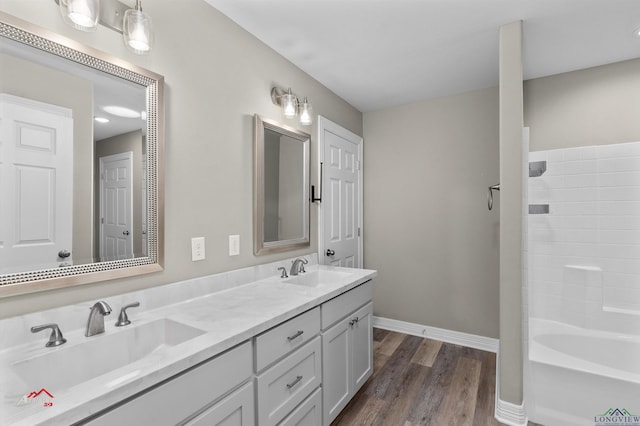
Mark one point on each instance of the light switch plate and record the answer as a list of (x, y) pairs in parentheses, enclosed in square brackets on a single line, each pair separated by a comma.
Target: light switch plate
[(234, 245), (197, 249)]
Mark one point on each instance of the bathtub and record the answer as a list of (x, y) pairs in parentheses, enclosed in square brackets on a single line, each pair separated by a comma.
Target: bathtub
[(575, 375)]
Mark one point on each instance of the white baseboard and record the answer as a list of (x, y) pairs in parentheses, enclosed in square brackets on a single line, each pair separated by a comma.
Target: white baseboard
[(457, 338), (508, 412)]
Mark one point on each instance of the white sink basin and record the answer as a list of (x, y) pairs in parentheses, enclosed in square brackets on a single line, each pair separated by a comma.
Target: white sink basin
[(72, 364), (317, 278)]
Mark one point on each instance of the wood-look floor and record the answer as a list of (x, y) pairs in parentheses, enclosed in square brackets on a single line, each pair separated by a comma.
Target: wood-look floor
[(418, 381)]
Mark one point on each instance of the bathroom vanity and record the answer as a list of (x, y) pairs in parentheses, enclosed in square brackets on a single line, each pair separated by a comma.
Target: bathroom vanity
[(239, 348)]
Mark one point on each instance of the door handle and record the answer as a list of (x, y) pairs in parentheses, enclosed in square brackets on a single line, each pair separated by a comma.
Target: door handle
[(330, 252), (125, 232), (63, 254)]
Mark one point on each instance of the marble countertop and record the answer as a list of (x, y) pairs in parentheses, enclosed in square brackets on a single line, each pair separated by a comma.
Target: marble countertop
[(227, 317)]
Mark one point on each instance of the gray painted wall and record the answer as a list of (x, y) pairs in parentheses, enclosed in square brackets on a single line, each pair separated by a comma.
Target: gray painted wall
[(595, 106), (217, 77), (427, 229)]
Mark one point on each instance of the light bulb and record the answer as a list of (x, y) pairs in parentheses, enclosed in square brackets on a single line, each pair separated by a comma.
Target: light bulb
[(81, 14), (305, 113), (137, 30), (289, 105)]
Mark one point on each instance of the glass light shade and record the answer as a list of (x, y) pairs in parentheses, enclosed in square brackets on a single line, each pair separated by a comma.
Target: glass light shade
[(289, 105), (81, 14), (137, 31), (305, 113)]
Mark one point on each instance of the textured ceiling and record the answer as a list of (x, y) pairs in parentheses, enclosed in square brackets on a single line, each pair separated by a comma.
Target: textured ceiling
[(380, 53)]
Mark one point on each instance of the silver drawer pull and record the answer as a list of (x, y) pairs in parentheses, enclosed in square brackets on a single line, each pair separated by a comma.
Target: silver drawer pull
[(298, 334), (295, 382)]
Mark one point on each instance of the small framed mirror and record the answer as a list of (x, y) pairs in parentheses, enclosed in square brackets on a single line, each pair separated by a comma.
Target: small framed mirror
[(281, 187)]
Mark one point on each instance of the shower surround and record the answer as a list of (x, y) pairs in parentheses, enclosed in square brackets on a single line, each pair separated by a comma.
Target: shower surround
[(583, 286)]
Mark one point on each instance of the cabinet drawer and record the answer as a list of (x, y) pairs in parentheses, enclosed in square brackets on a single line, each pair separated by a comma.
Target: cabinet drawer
[(186, 394), (236, 409), (309, 413), (282, 339), (285, 385), (339, 307)]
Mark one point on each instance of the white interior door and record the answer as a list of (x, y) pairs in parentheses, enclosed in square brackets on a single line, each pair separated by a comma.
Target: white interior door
[(36, 184), (116, 200), (340, 221)]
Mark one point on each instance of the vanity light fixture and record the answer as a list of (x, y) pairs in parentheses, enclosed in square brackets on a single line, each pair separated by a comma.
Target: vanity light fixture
[(134, 25), (291, 106)]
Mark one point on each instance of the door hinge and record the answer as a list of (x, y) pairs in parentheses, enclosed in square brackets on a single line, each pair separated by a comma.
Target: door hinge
[(358, 232), (102, 220)]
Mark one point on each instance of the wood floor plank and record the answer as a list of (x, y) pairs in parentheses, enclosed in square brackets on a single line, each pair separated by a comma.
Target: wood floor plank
[(460, 403), (436, 386), (427, 352), (403, 396), (390, 343), (394, 368), (485, 405), (379, 334), (362, 410)]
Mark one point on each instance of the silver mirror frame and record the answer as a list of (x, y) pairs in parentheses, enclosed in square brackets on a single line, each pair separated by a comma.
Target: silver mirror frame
[(259, 245), (40, 280)]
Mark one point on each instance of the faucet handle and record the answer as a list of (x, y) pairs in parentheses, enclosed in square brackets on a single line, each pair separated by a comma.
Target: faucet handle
[(304, 262), (55, 339), (284, 272), (123, 319)]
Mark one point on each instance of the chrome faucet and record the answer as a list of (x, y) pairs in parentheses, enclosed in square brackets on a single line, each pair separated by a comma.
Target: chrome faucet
[(298, 266), (95, 324)]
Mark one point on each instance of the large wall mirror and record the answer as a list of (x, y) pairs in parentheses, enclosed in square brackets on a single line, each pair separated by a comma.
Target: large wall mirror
[(281, 191), (81, 144)]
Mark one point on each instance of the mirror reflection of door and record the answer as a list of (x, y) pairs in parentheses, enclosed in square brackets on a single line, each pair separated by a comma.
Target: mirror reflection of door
[(36, 174), (116, 191), (284, 189)]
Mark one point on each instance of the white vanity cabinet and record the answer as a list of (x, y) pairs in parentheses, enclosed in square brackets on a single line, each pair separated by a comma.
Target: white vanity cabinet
[(208, 394), (347, 348), (283, 388)]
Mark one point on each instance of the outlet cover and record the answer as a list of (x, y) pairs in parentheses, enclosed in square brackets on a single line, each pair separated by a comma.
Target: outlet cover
[(234, 245), (197, 249)]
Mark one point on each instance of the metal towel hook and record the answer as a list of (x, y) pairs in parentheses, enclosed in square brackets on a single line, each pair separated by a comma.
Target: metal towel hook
[(490, 195)]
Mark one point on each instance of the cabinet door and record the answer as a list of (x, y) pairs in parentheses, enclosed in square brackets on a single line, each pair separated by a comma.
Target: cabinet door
[(236, 409), (362, 346), (336, 370)]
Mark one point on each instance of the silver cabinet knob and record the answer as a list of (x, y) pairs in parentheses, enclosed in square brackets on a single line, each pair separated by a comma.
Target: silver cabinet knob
[(63, 254), (330, 252)]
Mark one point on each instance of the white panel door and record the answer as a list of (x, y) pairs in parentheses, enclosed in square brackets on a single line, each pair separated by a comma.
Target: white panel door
[(116, 199), (341, 206), (36, 184)]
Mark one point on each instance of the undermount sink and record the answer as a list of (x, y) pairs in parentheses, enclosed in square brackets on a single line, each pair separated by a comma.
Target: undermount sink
[(72, 364), (316, 278)]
